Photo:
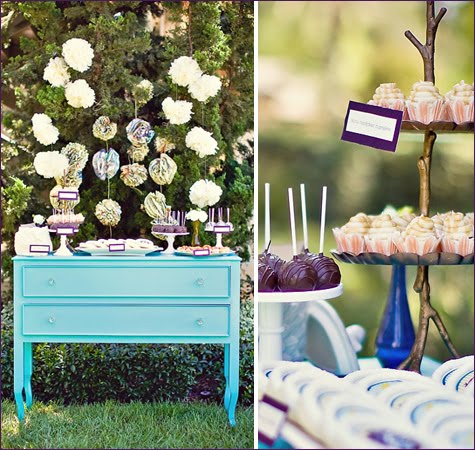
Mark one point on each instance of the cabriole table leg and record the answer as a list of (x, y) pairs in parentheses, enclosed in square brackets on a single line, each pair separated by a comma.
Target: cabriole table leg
[(227, 392), (28, 372), (18, 376), (233, 381)]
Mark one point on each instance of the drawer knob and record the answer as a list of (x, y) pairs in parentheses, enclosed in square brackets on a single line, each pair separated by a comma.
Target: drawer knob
[(51, 282), (51, 319), (200, 322), (200, 281)]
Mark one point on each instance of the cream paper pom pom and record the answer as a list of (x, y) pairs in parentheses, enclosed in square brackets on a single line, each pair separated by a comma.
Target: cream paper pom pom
[(184, 70), (56, 72), (43, 129), (177, 112), (197, 214), (143, 92), (204, 87), (50, 164), (79, 94), (201, 141), (78, 54), (205, 193)]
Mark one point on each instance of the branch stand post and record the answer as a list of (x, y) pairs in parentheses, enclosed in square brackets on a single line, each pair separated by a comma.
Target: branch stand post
[(421, 284)]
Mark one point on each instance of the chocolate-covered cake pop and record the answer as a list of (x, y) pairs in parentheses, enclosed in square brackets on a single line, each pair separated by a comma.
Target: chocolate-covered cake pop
[(328, 273), (267, 279), (271, 260), (296, 275)]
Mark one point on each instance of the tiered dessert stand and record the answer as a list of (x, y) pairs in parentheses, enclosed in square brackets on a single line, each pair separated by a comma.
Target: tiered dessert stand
[(170, 237), (219, 228), (396, 343)]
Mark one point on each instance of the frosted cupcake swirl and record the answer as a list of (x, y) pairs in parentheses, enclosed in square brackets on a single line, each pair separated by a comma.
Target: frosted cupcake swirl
[(388, 95), (421, 227), (359, 224), (382, 227), (402, 220), (461, 91), (456, 226), (424, 91)]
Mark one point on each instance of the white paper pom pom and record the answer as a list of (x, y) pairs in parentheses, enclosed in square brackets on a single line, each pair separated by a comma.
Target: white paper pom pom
[(184, 70), (177, 112), (205, 193), (204, 87), (79, 94), (56, 72), (78, 54), (50, 164), (201, 141)]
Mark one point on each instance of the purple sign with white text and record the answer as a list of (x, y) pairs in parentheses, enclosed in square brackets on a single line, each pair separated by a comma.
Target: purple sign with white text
[(372, 126)]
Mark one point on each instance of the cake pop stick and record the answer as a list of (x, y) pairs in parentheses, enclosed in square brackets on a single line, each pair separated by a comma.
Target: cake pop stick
[(304, 216), (322, 218), (228, 215), (267, 214), (292, 221)]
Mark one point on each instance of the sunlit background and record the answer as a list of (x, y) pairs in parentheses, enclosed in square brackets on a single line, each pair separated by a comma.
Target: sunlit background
[(313, 58)]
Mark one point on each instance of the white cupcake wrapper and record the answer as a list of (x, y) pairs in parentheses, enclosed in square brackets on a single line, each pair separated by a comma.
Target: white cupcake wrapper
[(426, 112), (384, 246), (460, 111), (349, 243), (462, 247), (420, 246)]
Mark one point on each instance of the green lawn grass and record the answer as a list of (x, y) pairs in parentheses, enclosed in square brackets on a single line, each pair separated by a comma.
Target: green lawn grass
[(131, 425)]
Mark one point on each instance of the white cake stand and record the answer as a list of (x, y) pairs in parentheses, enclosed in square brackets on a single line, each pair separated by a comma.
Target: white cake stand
[(271, 320), (67, 230), (170, 240)]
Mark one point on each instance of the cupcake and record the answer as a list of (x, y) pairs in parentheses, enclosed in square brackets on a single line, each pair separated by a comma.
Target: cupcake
[(381, 234), (457, 234), (438, 220), (469, 217), (403, 220), (350, 237), (419, 237), (425, 104), (459, 102), (388, 95)]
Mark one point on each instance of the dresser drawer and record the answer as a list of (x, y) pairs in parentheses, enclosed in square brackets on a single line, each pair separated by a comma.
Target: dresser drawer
[(137, 281), (125, 320)]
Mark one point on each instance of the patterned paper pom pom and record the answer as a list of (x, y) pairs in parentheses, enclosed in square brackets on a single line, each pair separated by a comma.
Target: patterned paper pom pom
[(133, 175), (108, 212), (139, 132)]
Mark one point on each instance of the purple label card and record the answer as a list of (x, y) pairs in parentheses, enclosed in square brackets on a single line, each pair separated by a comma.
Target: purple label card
[(221, 228), (117, 247), (372, 126), (272, 415), (68, 195), (65, 231), (40, 248), (201, 252)]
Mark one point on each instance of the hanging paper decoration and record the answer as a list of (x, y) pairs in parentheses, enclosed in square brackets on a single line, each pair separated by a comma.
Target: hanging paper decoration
[(133, 175), (63, 204), (139, 132), (155, 205), (106, 163), (162, 169), (104, 129), (138, 154), (108, 212)]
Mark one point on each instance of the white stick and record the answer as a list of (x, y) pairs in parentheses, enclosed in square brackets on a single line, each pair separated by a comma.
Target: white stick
[(304, 216), (267, 215), (322, 217), (292, 222)]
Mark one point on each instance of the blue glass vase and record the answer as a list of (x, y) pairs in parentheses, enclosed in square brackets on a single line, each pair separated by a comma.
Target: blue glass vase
[(396, 331)]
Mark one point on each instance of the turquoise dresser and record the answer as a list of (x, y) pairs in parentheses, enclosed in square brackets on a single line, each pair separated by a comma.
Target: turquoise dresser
[(151, 299)]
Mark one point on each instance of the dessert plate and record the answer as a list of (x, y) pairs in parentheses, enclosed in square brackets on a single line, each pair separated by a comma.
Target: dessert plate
[(301, 296), (212, 255), (126, 252)]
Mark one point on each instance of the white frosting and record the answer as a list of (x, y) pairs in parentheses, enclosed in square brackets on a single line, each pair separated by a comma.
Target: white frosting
[(461, 91), (424, 91)]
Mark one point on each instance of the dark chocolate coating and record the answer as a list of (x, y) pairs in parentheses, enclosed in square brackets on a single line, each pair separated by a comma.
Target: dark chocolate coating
[(271, 260), (328, 273), (267, 279), (296, 275)]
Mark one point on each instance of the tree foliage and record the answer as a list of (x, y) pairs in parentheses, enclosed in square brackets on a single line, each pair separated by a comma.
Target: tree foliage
[(219, 35)]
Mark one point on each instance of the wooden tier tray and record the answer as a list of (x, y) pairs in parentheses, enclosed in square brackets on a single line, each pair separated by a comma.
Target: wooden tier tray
[(440, 127), (405, 259)]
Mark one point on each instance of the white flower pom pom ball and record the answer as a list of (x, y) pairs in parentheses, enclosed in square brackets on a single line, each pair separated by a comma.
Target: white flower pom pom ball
[(201, 141), (205, 87), (56, 72), (184, 70), (205, 193), (78, 54), (177, 112), (50, 164), (79, 94), (44, 130)]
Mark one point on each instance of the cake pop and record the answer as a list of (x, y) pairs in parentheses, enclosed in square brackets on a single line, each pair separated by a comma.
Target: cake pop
[(268, 279), (296, 275), (328, 273), (271, 260)]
